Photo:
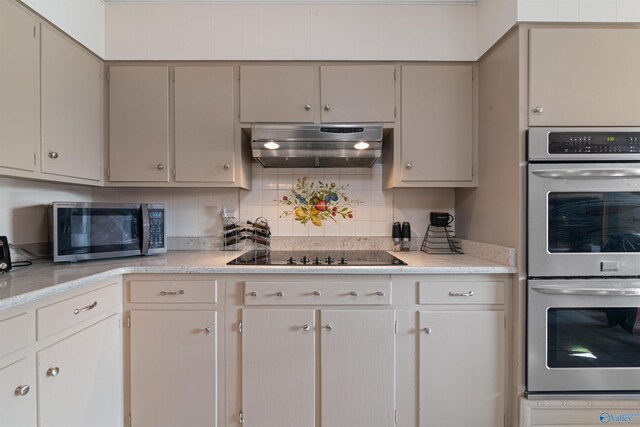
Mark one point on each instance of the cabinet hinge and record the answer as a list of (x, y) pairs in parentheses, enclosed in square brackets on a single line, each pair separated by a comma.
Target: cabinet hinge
[(174, 172), (395, 419), (395, 328), (394, 75), (34, 31), (34, 159), (108, 75), (239, 327), (241, 417), (395, 109), (108, 172), (473, 74), (129, 422), (129, 322), (505, 322), (505, 421)]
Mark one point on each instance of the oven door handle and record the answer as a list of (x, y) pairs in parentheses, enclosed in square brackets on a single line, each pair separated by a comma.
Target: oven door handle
[(588, 173), (559, 290)]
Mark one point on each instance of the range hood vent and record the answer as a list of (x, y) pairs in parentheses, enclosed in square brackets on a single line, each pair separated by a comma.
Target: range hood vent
[(313, 146)]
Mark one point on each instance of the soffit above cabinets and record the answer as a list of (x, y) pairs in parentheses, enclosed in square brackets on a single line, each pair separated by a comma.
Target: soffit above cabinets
[(305, 2)]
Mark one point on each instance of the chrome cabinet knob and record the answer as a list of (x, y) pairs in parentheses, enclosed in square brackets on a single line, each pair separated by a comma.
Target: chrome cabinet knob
[(353, 293), (227, 166), (427, 331), (306, 328), (207, 330), (327, 107), (280, 294), (380, 293), (538, 110), (3, 265), (329, 327), (53, 154), (316, 293), (160, 166), (53, 372), (307, 107), (408, 166), (253, 294), (22, 390)]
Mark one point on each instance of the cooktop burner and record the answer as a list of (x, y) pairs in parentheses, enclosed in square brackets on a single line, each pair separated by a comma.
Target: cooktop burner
[(325, 258)]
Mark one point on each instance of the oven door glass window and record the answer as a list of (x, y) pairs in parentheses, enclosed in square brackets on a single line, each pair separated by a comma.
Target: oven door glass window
[(85, 231), (593, 337), (581, 222)]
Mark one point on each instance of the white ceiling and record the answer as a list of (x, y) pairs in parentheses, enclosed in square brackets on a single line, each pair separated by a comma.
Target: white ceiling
[(383, 2)]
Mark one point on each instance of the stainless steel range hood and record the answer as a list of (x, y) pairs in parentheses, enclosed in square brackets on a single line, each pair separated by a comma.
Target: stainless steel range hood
[(316, 145)]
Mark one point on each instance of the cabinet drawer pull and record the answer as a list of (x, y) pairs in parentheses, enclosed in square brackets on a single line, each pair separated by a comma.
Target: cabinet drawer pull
[(280, 294), (353, 293), (53, 155), (380, 293), (253, 294), (329, 327), (461, 294), (307, 107), (22, 390), (317, 293), (165, 293), (306, 328), (87, 308), (427, 331), (207, 330), (53, 372)]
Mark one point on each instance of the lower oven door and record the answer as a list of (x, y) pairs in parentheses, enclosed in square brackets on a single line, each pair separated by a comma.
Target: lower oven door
[(583, 335)]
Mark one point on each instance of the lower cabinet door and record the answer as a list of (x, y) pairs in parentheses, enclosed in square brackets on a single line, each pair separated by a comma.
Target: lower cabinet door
[(80, 378), (18, 394), (357, 368), (461, 368), (278, 368), (173, 363)]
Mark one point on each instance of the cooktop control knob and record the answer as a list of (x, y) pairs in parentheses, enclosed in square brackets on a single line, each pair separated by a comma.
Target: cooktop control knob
[(317, 261), (329, 260), (342, 261), (291, 261), (304, 260)]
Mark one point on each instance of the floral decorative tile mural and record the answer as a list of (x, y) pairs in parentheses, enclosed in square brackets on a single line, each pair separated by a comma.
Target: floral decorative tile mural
[(318, 201)]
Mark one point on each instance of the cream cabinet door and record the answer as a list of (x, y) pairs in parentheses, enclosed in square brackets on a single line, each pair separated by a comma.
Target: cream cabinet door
[(80, 378), (278, 368), (173, 368), (461, 368), (19, 87), (357, 93), (437, 123), (357, 368), (71, 85), (584, 77), (274, 93), (139, 123), (18, 394), (204, 124)]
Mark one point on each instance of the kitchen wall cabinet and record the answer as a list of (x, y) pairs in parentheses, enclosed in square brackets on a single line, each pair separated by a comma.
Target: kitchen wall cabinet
[(308, 93), (72, 108), (173, 357), (139, 124), (584, 77), (357, 358), (436, 146), (20, 88), (204, 124), (79, 378), (461, 335)]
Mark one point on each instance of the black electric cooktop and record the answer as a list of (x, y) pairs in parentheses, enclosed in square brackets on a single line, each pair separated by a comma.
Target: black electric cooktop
[(335, 258)]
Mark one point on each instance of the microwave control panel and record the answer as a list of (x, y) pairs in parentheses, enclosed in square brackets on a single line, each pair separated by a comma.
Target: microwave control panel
[(156, 228), (594, 143)]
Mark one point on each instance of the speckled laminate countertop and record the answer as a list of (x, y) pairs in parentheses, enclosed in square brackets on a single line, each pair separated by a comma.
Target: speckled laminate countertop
[(44, 278)]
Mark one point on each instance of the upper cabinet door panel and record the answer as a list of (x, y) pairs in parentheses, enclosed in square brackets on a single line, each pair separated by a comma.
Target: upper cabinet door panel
[(437, 123), (277, 93), (204, 124), (71, 108), (584, 77), (19, 87), (139, 124), (359, 93)]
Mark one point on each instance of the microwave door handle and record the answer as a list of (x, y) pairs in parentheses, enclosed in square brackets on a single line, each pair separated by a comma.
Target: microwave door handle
[(587, 291), (588, 173), (144, 250)]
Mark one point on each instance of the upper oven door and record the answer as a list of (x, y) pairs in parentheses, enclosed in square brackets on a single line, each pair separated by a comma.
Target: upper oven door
[(583, 335), (584, 219)]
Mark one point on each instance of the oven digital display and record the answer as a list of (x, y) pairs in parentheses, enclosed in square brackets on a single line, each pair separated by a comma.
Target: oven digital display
[(594, 142)]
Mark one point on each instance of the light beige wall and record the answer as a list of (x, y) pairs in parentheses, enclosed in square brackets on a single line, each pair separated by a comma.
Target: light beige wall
[(82, 19), (490, 213), (23, 207), (292, 32), (495, 18)]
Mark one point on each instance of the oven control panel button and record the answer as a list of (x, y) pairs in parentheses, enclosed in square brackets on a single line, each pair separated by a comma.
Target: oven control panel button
[(609, 266)]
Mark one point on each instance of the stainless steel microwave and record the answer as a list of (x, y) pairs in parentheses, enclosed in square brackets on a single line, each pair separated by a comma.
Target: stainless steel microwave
[(83, 231)]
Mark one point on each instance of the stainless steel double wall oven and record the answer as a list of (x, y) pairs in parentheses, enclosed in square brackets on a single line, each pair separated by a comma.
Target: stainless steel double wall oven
[(583, 290)]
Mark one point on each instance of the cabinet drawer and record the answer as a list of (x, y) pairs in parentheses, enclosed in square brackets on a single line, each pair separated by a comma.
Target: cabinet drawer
[(481, 292), (173, 292), (61, 315), (13, 334), (319, 293)]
